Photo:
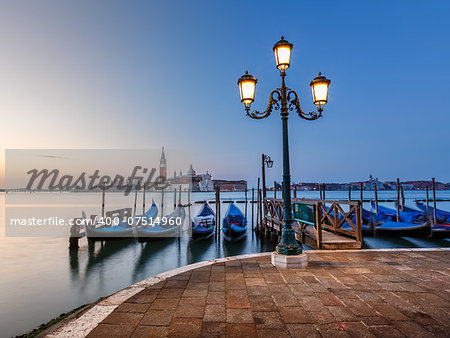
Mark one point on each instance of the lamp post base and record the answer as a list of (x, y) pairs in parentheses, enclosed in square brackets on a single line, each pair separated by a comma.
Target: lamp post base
[(288, 244), (289, 262)]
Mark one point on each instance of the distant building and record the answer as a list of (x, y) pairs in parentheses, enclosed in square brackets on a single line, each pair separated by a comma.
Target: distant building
[(372, 183), (198, 182), (226, 185), (163, 165)]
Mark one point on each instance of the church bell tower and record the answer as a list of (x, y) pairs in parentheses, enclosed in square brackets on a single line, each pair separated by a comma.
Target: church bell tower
[(163, 165)]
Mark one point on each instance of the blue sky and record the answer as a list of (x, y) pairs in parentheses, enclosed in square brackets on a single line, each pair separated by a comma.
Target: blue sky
[(144, 74)]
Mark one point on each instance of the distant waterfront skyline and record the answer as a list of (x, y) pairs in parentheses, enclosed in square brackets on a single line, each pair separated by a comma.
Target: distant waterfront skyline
[(110, 74)]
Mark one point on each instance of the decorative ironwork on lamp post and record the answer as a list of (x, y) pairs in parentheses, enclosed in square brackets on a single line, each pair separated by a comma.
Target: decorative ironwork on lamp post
[(285, 100)]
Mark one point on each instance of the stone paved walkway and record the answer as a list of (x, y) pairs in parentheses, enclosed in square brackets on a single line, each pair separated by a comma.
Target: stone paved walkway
[(389, 294)]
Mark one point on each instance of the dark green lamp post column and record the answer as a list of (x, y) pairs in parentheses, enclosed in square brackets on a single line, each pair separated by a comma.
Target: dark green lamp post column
[(285, 100)]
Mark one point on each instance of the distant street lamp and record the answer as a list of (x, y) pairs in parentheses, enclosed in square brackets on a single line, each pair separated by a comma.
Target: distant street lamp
[(266, 161), (285, 100)]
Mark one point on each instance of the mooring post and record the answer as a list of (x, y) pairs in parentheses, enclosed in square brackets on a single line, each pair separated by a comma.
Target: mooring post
[(103, 201), (403, 197), (218, 214), (135, 201), (180, 227), (361, 197), (376, 199), (74, 235), (428, 208), (349, 194), (162, 202), (245, 202), (295, 191), (258, 221), (274, 189), (398, 200), (189, 206), (324, 188), (434, 200), (253, 208), (174, 198), (261, 219), (143, 202)]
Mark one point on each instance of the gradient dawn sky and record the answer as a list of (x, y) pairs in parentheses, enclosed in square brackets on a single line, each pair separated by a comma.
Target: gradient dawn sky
[(147, 74)]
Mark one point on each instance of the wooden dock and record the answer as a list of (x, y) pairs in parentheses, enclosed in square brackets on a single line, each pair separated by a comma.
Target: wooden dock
[(317, 223), (330, 241)]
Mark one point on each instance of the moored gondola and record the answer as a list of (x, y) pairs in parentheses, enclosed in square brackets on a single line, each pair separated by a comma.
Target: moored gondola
[(441, 228), (411, 223), (124, 229), (234, 224), (204, 223), (167, 227)]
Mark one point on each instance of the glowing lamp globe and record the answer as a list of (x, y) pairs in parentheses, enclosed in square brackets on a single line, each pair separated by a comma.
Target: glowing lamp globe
[(282, 51), (319, 87), (247, 84)]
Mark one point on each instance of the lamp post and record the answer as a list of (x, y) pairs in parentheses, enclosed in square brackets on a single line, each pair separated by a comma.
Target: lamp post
[(285, 100), (266, 161)]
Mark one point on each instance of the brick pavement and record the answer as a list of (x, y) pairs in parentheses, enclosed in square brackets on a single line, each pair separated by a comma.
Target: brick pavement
[(389, 294)]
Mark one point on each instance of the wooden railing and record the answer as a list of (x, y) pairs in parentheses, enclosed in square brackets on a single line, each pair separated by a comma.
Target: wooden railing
[(329, 216)]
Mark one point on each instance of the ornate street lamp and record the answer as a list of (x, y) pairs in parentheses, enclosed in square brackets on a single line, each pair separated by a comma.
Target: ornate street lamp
[(285, 100), (267, 161)]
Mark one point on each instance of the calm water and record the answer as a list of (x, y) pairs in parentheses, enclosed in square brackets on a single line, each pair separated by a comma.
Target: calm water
[(40, 278)]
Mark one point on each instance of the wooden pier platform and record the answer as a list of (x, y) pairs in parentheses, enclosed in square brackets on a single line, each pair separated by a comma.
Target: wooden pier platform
[(330, 241), (317, 223)]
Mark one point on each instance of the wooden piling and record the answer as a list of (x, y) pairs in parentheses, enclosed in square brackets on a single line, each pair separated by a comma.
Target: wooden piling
[(274, 189), (74, 235), (434, 200), (103, 201), (253, 210), (349, 194), (398, 200), (295, 191), (324, 187), (361, 197), (245, 203), (174, 198), (143, 201), (258, 228), (428, 208), (135, 201), (189, 205), (403, 197), (73, 243), (376, 199), (261, 218), (162, 202), (180, 227), (218, 213)]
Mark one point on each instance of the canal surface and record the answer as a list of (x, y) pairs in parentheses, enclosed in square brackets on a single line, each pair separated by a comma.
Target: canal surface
[(40, 278)]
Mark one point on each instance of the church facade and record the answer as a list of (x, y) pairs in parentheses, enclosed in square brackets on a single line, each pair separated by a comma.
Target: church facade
[(198, 182)]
